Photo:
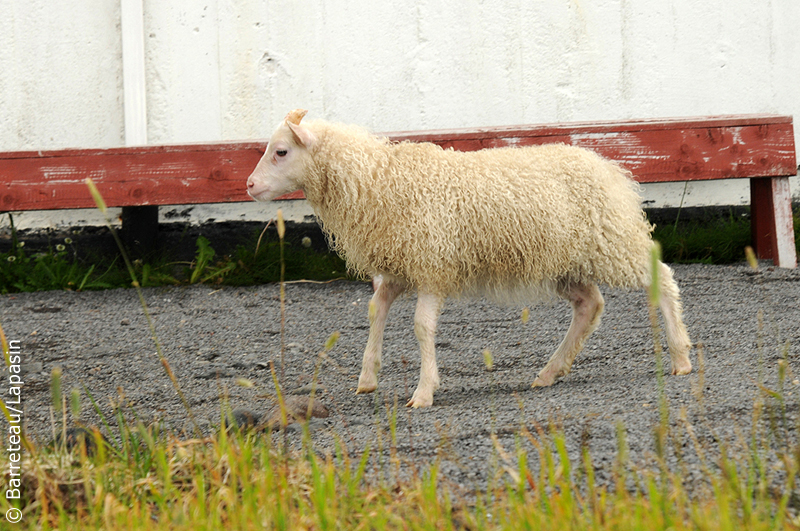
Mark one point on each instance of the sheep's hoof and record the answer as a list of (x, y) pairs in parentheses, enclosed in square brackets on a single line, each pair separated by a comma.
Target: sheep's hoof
[(547, 378), (540, 382), (682, 367), (418, 401), (367, 383)]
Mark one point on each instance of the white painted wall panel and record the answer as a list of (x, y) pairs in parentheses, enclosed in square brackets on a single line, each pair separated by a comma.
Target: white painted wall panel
[(223, 69), (182, 58), (60, 74)]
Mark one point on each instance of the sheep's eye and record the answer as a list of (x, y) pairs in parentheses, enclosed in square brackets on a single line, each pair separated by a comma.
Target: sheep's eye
[(281, 152)]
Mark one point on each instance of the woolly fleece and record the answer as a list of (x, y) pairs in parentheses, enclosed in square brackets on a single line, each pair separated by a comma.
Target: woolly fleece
[(510, 223)]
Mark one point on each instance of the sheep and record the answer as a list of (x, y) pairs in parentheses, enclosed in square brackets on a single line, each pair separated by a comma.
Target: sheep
[(512, 224)]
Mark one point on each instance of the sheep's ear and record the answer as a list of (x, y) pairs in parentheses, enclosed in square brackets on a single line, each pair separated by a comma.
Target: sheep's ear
[(295, 116), (302, 135)]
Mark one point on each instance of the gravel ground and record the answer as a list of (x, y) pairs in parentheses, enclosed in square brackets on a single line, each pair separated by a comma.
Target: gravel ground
[(212, 337)]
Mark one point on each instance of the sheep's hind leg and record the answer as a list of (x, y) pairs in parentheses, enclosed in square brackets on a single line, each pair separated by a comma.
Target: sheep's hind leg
[(587, 307), (671, 308), (386, 291), (425, 318)]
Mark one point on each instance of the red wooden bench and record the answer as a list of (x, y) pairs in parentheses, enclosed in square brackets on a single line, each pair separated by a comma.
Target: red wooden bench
[(758, 147)]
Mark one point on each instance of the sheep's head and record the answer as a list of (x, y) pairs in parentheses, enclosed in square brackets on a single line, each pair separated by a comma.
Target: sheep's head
[(283, 167)]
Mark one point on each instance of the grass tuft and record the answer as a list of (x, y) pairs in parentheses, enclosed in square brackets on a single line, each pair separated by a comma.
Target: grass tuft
[(717, 241)]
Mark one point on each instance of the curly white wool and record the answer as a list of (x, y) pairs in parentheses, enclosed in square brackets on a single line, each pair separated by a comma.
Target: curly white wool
[(501, 222)]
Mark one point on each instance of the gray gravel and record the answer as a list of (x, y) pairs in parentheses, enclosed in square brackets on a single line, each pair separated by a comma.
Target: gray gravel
[(212, 337)]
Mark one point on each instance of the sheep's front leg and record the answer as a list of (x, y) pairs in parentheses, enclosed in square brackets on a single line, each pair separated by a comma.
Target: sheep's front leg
[(386, 291), (428, 308), (587, 307)]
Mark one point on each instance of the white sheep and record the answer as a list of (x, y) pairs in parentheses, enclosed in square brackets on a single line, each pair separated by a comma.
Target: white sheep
[(512, 224)]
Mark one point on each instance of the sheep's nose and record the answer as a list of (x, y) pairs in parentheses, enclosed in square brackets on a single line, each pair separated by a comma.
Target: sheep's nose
[(250, 184)]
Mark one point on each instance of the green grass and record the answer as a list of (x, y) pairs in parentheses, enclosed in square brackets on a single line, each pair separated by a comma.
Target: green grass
[(715, 241), (56, 268), (265, 265), (254, 262), (719, 241)]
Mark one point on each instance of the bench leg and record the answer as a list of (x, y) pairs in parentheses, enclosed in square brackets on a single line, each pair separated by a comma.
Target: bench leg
[(140, 230), (771, 218)]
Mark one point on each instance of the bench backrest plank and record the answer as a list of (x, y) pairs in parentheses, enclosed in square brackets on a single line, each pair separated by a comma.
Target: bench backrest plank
[(655, 150), (680, 149), (133, 176)]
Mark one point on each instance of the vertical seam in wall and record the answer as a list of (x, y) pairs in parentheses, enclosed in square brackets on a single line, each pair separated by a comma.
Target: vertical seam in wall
[(134, 86)]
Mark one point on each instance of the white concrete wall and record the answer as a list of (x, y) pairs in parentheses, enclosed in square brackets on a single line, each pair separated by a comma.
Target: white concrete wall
[(230, 69), (60, 74)]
